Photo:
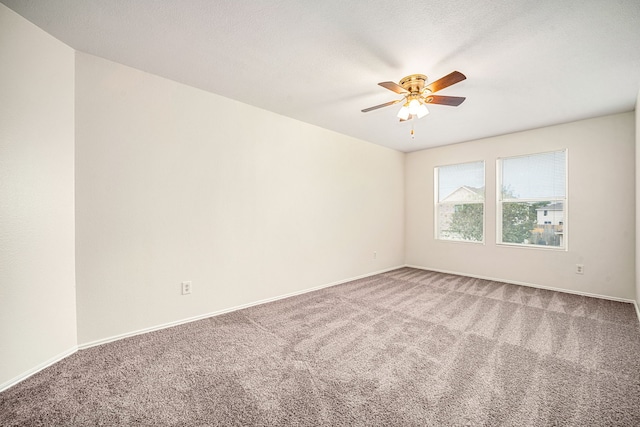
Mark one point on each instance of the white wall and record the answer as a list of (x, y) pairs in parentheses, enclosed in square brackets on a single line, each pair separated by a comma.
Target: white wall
[(37, 279), (176, 184), (601, 185), (637, 123)]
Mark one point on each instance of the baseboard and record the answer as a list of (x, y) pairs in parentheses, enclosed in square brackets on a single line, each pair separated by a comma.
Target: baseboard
[(4, 386), (226, 310), (531, 285), (7, 384), (55, 359)]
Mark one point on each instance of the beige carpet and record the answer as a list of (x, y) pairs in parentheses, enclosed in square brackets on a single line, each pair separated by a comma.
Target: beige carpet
[(404, 348)]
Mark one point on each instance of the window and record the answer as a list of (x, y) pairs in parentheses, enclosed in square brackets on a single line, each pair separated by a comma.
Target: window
[(532, 201), (459, 201)]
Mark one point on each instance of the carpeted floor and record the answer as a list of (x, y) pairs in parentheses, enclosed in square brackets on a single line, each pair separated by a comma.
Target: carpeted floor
[(404, 348)]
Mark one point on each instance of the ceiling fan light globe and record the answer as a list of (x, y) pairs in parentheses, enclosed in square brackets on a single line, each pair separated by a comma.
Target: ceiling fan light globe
[(414, 106), (422, 111), (403, 113)]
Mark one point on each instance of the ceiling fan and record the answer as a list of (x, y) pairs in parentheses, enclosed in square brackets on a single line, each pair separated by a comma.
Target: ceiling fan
[(417, 95)]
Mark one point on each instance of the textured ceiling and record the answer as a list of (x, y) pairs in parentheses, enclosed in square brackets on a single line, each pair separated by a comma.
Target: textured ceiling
[(528, 63)]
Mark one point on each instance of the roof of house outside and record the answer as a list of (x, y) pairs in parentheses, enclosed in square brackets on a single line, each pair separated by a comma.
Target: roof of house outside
[(558, 206), (465, 194)]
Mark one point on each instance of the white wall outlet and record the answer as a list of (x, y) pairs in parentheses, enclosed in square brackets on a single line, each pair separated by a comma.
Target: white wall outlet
[(375, 255), (186, 288), (579, 268)]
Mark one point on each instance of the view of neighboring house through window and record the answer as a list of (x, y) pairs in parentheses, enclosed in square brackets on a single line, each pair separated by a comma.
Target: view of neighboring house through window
[(532, 199), (459, 197)]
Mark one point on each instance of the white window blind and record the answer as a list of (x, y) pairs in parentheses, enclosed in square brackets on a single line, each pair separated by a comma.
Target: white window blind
[(532, 199), (537, 176)]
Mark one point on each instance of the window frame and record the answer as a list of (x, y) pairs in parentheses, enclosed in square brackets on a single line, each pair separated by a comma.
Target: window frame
[(436, 203), (564, 200)]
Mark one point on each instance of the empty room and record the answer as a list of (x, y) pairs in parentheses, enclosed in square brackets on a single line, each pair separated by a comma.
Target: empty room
[(268, 213)]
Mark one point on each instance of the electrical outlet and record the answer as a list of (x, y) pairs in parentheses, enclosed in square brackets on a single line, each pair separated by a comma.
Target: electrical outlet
[(375, 255), (579, 268), (186, 288)]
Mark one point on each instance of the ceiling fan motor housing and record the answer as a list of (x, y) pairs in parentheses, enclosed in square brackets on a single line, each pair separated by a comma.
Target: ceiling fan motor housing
[(414, 83)]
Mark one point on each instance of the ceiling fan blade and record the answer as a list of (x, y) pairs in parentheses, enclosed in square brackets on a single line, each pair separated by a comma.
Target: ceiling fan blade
[(394, 87), (386, 104), (446, 81), (453, 101)]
